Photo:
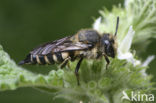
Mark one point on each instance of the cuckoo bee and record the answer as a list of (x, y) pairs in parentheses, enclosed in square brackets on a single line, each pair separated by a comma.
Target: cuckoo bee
[(87, 43)]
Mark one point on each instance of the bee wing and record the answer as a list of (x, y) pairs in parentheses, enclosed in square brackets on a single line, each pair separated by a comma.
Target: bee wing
[(61, 45), (50, 46), (73, 47)]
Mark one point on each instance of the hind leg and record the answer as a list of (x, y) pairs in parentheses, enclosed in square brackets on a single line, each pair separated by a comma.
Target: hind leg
[(77, 70), (65, 62)]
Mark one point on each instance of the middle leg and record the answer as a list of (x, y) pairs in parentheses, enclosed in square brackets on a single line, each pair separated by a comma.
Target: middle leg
[(77, 70)]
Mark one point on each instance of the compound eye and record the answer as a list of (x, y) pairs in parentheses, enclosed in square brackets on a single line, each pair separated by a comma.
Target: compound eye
[(106, 42)]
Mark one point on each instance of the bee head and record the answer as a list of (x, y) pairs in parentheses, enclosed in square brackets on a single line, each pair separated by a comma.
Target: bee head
[(108, 45), (108, 42)]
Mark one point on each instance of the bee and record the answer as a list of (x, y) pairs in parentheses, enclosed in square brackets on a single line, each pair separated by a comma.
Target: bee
[(86, 43)]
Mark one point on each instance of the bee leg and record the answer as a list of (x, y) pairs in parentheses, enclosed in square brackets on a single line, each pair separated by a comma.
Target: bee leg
[(64, 62), (107, 60), (77, 70)]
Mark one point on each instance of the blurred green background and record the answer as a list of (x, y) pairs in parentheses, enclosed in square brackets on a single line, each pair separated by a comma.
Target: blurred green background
[(25, 24)]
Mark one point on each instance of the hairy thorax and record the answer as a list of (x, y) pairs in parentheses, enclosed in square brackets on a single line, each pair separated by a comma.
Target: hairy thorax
[(91, 54)]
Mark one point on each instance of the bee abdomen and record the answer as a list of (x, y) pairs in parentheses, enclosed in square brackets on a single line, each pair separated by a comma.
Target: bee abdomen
[(49, 59), (42, 59), (45, 59)]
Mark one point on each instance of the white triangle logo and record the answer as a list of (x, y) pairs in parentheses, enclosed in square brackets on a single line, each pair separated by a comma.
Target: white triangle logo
[(125, 96)]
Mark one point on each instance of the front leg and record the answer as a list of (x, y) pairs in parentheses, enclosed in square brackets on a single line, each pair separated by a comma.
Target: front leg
[(107, 60), (77, 70)]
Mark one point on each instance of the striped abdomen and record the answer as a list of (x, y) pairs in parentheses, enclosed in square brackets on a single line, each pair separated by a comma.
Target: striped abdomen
[(45, 59)]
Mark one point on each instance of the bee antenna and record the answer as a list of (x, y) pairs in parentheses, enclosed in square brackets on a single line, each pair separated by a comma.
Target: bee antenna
[(117, 24)]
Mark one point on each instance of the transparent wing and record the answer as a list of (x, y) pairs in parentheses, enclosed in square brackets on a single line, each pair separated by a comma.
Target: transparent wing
[(48, 47), (61, 45)]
